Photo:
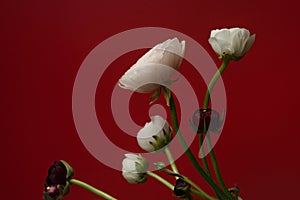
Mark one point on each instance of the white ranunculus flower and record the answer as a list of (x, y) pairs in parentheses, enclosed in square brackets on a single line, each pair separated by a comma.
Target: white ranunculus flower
[(134, 168), (150, 68), (155, 134), (234, 42)]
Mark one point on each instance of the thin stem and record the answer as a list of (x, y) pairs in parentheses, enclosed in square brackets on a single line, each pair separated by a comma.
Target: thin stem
[(204, 160), (201, 193), (211, 85), (196, 192), (160, 179), (189, 153), (171, 187), (91, 189), (213, 82), (215, 165), (171, 160)]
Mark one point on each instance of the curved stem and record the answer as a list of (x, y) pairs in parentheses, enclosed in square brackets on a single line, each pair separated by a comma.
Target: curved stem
[(91, 189), (189, 153), (160, 179), (171, 160), (211, 85), (213, 82)]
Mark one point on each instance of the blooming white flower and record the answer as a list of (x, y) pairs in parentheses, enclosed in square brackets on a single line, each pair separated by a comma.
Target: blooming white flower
[(150, 68), (155, 134), (234, 42), (134, 168)]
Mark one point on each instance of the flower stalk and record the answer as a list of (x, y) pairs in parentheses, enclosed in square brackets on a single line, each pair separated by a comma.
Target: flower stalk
[(199, 192), (92, 189), (189, 153), (171, 160), (211, 85)]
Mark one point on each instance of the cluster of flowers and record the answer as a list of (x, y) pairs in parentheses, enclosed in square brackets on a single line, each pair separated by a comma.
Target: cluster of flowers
[(155, 136)]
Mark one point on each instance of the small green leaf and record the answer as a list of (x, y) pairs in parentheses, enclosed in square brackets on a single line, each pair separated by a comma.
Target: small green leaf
[(167, 94)]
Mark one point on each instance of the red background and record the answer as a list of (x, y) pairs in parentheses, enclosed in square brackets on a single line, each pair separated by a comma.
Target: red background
[(43, 44)]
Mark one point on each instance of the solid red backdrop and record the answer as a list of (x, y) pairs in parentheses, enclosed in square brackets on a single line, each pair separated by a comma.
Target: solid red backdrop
[(43, 44)]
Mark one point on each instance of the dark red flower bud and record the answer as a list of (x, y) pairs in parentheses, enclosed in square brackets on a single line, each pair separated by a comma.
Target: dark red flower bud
[(57, 185), (181, 188), (57, 174), (207, 119)]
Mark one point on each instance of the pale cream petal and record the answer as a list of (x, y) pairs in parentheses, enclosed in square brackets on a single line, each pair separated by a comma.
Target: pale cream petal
[(249, 43), (215, 45)]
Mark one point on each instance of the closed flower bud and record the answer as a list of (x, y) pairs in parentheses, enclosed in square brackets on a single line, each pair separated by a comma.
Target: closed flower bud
[(181, 188), (134, 168), (207, 119), (231, 43), (150, 67), (155, 134), (57, 186)]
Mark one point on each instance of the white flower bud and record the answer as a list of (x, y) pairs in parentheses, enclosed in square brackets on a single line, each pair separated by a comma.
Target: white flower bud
[(134, 168), (234, 42), (155, 134), (151, 69)]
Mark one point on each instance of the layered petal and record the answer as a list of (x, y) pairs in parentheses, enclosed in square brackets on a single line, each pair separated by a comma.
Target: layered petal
[(232, 43), (155, 67), (155, 134), (134, 168)]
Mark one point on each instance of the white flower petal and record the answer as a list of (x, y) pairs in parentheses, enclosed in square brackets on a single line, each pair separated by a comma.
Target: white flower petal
[(249, 43), (215, 45), (155, 134), (234, 42), (150, 67), (223, 34)]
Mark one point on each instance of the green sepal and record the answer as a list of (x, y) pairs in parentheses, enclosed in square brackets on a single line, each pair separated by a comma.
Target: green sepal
[(46, 196), (155, 96), (167, 94), (67, 189), (70, 170), (160, 166), (229, 57)]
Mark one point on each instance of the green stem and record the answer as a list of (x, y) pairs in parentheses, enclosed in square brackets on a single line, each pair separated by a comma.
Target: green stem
[(189, 153), (171, 160), (91, 189), (160, 179), (171, 187), (213, 82), (200, 191), (216, 167), (204, 160), (211, 85)]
